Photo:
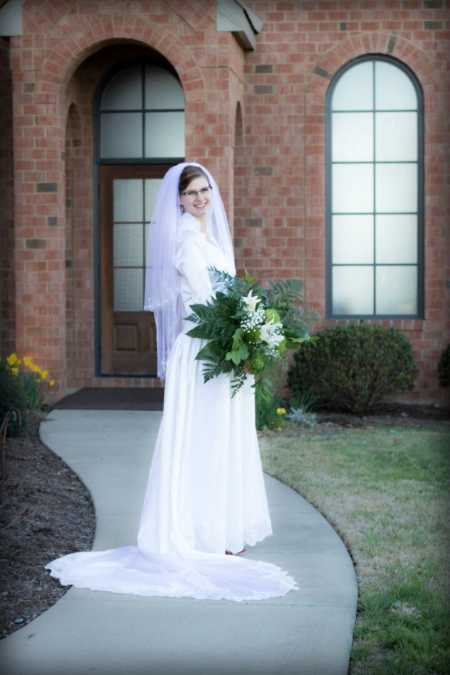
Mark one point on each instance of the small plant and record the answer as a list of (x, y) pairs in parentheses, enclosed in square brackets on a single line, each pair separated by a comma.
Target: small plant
[(444, 367), (21, 389), (267, 406), (300, 416), (270, 412), (353, 367)]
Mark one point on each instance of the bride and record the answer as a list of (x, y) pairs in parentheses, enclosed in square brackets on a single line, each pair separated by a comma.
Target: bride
[(205, 498)]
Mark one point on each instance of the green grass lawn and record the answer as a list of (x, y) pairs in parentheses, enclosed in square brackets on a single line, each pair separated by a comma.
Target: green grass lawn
[(385, 489)]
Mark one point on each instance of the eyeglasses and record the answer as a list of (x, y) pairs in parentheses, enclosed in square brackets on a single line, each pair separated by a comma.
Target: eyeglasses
[(197, 193)]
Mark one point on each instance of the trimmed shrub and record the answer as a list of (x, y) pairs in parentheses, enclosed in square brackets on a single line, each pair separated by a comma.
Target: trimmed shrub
[(444, 367), (353, 367)]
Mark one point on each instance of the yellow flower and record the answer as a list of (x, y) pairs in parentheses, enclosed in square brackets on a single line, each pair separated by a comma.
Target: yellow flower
[(12, 359), (27, 361), (281, 411), (51, 383), (14, 371), (44, 374)]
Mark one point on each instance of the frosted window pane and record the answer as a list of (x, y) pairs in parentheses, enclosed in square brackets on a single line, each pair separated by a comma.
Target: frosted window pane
[(128, 290), (393, 88), (164, 134), (396, 290), (352, 137), (128, 245), (352, 290), (354, 89), (396, 187), (124, 91), (127, 200), (151, 189), (162, 89), (352, 239), (146, 243), (396, 239), (396, 135), (352, 187), (121, 135)]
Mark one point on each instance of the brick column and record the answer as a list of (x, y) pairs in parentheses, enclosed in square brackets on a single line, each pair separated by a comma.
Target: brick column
[(7, 307), (38, 137)]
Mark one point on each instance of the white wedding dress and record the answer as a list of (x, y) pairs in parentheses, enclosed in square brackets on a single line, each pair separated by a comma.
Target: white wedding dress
[(205, 492)]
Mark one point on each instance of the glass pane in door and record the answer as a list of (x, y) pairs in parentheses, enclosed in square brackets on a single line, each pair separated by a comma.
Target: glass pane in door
[(151, 189), (128, 244), (128, 201)]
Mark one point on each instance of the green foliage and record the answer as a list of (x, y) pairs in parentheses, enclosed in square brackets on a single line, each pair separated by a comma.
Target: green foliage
[(444, 367), (20, 392), (353, 367), (12, 396), (15, 396), (266, 403), (287, 297), (236, 343)]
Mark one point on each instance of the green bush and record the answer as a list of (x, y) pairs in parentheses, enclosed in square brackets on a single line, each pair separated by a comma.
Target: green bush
[(353, 367), (444, 367)]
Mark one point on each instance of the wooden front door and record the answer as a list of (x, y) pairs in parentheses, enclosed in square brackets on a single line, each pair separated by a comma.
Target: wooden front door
[(128, 334)]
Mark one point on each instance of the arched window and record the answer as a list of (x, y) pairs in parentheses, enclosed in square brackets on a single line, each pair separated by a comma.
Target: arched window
[(142, 115), (374, 191)]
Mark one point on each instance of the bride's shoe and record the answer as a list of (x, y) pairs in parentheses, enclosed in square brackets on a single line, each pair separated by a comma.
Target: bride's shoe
[(238, 553)]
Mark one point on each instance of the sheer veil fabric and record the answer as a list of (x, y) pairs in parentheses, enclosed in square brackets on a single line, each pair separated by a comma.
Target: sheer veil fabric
[(205, 491), (162, 283)]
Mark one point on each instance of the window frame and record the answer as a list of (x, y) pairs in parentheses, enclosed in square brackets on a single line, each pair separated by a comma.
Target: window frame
[(161, 164), (98, 112), (420, 194)]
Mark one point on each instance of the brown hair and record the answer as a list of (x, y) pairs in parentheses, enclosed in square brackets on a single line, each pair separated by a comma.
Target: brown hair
[(188, 174)]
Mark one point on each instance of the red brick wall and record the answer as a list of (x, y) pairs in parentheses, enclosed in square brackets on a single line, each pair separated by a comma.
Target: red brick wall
[(282, 224), (270, 168), (7, 305), (57, 64)]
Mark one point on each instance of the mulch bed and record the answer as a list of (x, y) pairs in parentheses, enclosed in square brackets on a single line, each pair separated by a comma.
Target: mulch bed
[(46, 512)]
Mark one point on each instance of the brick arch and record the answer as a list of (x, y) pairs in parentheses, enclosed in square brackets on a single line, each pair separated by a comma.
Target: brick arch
[(316, 86), (91, 34), (72, 194), (375, 43)]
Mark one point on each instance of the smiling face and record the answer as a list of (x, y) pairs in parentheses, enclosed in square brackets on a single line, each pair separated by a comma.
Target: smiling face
[(196, 198)]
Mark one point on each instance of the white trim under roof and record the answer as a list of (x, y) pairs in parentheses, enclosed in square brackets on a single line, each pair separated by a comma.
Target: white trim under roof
[(234, 17)]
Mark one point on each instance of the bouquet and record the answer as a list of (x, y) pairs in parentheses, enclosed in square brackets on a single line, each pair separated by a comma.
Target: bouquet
[(247, 327)]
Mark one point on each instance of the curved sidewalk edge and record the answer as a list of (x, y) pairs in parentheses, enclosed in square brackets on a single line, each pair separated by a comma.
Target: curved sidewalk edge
[(306, 632)]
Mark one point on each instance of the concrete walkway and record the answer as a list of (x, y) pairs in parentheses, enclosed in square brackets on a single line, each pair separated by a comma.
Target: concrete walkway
[(306, 632)]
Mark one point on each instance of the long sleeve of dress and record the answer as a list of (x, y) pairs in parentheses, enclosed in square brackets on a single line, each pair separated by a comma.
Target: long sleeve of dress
[(196, 284)]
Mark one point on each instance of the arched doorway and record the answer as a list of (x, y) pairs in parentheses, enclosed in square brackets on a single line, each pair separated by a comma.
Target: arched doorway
[(139, 134)]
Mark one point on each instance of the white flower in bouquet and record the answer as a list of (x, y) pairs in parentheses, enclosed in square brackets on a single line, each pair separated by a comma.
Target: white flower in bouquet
[(250, 301), (253, 320), (272, 333)]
